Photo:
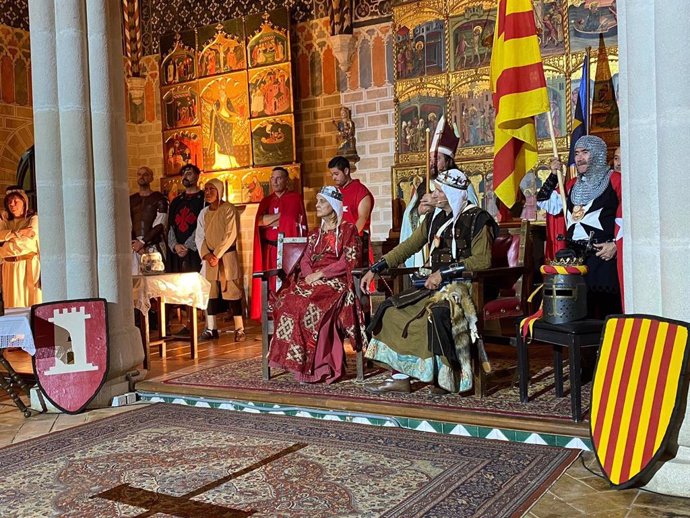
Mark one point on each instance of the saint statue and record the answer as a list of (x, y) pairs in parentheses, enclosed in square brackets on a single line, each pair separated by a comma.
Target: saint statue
[(347, 145)]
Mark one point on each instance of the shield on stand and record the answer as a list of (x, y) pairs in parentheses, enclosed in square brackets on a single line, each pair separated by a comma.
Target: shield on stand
[(637, 395), (71, 361)]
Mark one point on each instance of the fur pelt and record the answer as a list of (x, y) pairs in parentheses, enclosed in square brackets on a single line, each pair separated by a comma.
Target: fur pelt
[(463, 316)]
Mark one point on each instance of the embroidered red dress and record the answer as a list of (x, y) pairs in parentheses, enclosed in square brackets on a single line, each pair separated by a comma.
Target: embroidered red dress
[(311, 321)]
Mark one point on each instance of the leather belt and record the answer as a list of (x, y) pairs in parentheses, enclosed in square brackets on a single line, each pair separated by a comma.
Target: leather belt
[(271, 242), (19, 258)]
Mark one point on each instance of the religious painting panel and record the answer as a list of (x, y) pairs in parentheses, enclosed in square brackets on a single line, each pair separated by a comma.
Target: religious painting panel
[(225, 122), (221, 48), (420, 50), (270, 91), (472, 35), (180, 106), (558, 99), (416, 115), (181, 148), (551, 20), (268, 42), (256, 182), (172, 186), (273, 140), (590, 18), (177, 63), (473, 113)]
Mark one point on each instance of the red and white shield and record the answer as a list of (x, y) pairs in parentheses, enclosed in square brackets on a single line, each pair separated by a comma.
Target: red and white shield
[(71, 360)]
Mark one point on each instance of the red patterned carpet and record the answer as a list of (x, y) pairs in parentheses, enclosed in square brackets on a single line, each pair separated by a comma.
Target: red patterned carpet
[(173, 460), (503, 398)]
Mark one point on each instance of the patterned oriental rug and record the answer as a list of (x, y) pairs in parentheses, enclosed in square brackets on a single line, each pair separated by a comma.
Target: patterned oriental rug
[(177, 461), (503, 398)]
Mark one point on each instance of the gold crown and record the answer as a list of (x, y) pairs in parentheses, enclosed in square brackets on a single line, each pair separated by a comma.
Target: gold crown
[(568, 261)]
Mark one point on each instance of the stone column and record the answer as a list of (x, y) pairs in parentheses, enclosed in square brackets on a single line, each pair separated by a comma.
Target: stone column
[(655, 109), (77, 158), (80, 42), (47, 144)]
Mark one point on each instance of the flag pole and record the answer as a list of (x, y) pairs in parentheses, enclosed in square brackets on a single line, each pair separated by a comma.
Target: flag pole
[(588, 115), (559, 173), (428, 160)]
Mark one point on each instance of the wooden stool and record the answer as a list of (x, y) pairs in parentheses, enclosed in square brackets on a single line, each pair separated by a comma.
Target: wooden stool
[(574, 336)]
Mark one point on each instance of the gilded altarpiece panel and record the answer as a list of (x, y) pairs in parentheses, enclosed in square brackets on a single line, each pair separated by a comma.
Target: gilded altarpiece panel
[(224, 87), (461, 85)]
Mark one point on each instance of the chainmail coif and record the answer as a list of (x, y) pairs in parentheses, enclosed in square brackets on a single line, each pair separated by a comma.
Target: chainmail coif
[(592, 183)]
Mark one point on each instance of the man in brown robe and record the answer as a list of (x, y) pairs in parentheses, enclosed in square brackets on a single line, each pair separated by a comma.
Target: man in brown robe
[(216, 239)]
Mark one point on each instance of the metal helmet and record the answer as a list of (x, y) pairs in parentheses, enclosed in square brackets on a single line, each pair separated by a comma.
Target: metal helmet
[(565, 298)]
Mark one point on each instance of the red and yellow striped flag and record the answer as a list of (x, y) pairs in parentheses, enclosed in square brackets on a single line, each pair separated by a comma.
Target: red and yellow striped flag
[(519, 93)]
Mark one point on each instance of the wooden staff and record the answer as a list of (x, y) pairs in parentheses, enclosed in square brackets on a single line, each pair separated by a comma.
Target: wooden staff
[(428, 161), (559, 173)]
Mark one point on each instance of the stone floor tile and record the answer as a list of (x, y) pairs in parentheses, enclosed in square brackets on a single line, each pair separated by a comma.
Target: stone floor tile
[(663, 502)]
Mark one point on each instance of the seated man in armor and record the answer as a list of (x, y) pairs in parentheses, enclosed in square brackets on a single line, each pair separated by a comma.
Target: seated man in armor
[(426, 332)]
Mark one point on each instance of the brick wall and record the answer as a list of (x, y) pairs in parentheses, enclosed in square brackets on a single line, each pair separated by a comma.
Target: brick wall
[(367, 90)]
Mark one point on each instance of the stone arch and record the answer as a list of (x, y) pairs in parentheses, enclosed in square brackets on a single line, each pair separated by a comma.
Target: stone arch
[(14, 146)]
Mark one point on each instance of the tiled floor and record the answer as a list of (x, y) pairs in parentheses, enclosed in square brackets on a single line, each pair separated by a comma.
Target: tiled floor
[(576, 493)]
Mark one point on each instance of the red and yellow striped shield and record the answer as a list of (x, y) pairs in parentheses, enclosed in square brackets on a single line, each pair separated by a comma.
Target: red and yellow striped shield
[(636, 393)]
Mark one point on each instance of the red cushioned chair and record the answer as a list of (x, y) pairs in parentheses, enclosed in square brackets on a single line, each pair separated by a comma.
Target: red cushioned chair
[(289, 252), (501, 292)]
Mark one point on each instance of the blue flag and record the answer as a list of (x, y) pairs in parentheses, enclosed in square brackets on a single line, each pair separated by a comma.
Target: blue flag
[(581, 118)]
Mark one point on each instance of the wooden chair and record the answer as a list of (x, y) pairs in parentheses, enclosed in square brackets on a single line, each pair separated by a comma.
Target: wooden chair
[(289, 252), (500, 293), (511, 260)]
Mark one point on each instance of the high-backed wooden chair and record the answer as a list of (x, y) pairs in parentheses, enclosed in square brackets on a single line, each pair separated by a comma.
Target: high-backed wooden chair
[(501, 292), (511, 261), (289, 252)]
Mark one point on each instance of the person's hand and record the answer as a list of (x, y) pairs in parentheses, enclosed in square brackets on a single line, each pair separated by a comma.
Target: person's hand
[(605, 251), (366, 281), (181, 250), (556, 164), (137, 246), (211, 259), (313, 277), (433, 281), (26, 232), (426, 204)]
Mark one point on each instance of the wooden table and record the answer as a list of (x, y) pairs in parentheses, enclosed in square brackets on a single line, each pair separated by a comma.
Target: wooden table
[(186, 289), (15, 331)]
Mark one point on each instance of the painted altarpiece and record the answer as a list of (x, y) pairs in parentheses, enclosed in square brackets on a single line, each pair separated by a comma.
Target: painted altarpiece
[(228, 104), (461, 90)]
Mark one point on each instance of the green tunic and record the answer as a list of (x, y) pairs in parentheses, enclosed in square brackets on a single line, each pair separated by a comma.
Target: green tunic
[(403, 335)]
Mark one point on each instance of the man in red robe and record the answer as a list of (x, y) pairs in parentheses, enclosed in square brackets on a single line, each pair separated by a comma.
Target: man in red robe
[(358, 202), (280, 212)]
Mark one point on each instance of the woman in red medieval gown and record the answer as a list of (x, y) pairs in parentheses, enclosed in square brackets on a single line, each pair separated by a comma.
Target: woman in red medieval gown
[(317, 308)]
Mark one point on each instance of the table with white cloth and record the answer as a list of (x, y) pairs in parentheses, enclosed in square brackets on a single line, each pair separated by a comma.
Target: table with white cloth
[(187, 289), (15, 331)]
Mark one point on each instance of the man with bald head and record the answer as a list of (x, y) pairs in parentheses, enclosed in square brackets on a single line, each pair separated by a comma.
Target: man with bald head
[(148, 211)]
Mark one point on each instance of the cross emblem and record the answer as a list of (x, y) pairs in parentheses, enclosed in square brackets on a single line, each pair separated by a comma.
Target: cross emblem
[(183, 506)]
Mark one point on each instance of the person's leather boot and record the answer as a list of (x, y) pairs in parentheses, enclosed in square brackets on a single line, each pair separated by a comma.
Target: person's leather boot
[(389, 385), (209, 334), (240, 335)]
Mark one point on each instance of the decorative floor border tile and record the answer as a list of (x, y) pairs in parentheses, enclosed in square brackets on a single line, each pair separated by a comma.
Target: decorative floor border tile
[(422, 425)]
